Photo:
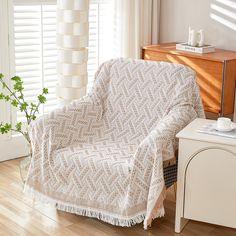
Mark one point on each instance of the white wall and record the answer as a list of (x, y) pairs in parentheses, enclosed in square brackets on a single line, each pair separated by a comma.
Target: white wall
[(178, 15)]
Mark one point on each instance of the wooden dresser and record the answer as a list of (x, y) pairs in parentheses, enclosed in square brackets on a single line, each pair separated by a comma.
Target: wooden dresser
[(216, 74)]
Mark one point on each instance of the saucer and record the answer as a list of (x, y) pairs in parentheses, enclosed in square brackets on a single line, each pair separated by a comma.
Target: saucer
[(233, 126)]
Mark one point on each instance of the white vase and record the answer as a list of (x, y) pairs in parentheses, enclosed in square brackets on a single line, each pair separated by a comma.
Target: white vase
[(200, 38), (193, 41)]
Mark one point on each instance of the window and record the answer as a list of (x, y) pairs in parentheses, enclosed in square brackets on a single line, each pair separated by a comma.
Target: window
[(28, 47), (34, 49), (34, 44)]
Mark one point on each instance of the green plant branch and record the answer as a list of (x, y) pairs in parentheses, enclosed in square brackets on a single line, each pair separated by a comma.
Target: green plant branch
[(36, 109), (11, 93), (18, 100), (26, 136), (26, 112)]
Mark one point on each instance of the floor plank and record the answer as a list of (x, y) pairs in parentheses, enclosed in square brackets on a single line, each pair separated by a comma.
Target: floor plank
[(20, 215)]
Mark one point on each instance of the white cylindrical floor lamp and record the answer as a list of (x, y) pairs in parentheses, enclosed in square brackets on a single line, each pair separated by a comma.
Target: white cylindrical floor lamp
[(72, 42)]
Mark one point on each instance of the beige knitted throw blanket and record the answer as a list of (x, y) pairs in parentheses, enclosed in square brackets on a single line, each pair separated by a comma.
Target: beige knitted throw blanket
[(103, 155)]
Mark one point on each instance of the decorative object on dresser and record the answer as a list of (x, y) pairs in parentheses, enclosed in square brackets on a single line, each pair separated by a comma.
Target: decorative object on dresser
[(206, 188), (103, 155), (196, 49), (216, 74), (195, 43), (195, 38)]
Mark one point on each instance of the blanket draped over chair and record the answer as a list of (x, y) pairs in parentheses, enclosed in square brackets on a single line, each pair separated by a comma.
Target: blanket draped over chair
[(103, 155)]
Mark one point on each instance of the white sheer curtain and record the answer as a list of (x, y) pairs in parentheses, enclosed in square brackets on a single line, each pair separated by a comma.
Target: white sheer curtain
[(137, 25)]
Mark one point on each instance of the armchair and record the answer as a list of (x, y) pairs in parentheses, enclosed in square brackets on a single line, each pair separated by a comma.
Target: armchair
[(103, 155)]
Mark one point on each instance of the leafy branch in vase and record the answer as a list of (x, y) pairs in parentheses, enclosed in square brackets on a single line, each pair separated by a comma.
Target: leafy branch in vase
[(16, 98)]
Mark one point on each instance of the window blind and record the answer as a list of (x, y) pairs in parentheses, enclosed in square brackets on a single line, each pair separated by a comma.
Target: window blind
[(35, 52)]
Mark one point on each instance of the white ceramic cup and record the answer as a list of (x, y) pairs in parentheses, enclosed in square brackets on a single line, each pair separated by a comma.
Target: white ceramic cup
[(224, 123)]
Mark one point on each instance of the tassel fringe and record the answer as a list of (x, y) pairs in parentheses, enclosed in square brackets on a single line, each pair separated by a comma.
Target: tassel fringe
[(89, 212), (160, 213)]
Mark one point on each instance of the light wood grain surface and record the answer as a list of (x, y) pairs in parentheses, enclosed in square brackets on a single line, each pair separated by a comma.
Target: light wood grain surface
[(20, 215), (219, 54)]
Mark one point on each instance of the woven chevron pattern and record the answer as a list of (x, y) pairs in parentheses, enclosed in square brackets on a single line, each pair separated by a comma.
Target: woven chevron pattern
[(103, 155)]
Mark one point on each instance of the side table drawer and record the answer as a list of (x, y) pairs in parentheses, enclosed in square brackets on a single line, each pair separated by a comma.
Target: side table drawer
[(210, 188)]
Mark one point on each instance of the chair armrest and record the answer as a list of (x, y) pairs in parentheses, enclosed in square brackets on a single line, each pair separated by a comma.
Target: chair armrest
[(66, 125), (159, 146), (163, 136)]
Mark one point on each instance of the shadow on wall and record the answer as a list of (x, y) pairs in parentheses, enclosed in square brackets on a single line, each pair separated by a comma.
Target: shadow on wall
[(224, 12)]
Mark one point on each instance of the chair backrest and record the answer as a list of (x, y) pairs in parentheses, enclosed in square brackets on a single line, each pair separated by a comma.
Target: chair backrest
[(136, 94)]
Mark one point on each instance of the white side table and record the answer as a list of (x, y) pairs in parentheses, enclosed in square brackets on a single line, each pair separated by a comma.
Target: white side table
[(206, 185)]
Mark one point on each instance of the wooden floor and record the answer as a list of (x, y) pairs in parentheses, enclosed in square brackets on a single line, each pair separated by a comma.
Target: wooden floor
[(19, 215)]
